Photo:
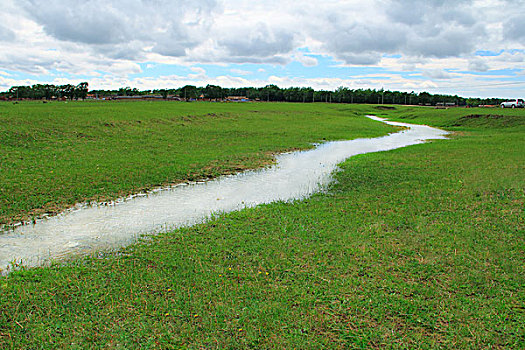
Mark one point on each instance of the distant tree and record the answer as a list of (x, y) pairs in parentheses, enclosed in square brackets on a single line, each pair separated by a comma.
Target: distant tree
[(19, 91), (267, 93), (253, 93), (81, 90), (125, 91), (424, 97), (67, 91), (163, 93), (189, 91), (213, 91)]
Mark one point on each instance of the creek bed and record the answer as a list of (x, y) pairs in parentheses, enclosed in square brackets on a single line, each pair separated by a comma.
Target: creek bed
[(88, 229)]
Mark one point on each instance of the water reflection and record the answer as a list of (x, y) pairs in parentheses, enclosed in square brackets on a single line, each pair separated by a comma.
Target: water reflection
[(296, 175)]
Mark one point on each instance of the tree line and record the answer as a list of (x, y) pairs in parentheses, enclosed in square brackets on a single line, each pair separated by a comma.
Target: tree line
[(48, 91), (270, 93), (273, 93)]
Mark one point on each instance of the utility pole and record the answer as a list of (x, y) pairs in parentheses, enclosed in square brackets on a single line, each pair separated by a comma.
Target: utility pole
[(383, 97)]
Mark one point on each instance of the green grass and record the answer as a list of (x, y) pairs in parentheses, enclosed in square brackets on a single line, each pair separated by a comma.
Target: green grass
[(421, 247), (58, 154)]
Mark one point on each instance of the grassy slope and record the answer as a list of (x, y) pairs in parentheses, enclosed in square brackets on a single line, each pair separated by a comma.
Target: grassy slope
[(55, 155), (417, 247)]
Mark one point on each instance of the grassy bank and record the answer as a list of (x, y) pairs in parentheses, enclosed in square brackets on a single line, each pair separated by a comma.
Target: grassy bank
[(421, 247), (57, 154)]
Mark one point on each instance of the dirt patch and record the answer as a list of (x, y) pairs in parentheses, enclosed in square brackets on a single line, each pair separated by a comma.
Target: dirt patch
[(385, 108), (489, 120), (476, 116), (188, 118)]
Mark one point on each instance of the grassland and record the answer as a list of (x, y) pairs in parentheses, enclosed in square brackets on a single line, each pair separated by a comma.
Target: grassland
[(58, 154), (421, 247)]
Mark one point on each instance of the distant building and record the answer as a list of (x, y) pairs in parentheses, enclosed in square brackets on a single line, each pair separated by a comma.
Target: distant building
[(445, 105), (138, 98), (237, 99)]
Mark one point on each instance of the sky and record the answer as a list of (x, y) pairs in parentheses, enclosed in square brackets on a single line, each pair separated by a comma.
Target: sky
[(469, 48)]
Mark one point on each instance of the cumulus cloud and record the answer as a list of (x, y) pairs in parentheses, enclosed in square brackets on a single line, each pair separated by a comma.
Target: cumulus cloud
[(305, 60), (363, 59), (478, 65), (257, 40), (517, 57), (124, 68), (430, 29), (90, 22), (241, 31), (198, 73), (6, 34), (240, 71), (514, 28), (166, 27), (437, 74), (114, 37), (416, 12)]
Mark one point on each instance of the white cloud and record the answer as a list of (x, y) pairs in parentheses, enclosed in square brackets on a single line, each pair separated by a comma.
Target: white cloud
[(198, 73), (305, 60), (438, 74), (514, 28), (124, 68), (509, 58), (6, 34), (436, 38), (478, 65), (240, 71), (168, 27)]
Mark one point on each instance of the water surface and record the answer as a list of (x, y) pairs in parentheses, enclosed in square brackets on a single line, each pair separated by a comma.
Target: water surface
[(92, 228)]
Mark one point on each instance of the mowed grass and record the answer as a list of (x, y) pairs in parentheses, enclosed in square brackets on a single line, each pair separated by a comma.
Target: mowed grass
[(57, 154), (421, 247)]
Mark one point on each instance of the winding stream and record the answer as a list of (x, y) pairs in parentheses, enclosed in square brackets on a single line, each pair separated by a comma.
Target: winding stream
[(88, 229)]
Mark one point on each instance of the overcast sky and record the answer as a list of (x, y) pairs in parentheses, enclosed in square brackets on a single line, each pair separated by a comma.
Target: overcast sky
[(470, 48)]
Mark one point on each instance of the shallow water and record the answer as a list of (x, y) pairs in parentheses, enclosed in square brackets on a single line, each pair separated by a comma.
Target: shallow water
[(93, 228)]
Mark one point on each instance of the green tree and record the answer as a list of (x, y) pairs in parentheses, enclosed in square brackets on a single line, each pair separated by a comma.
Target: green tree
[(213, 91), (188, 92), (81, 90)]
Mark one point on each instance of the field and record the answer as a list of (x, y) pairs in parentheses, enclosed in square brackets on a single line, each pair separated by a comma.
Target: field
[(57, 154), (421, 247)]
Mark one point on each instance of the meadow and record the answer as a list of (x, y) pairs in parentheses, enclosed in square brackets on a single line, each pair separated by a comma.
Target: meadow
[(420, 247), (57, 154)]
